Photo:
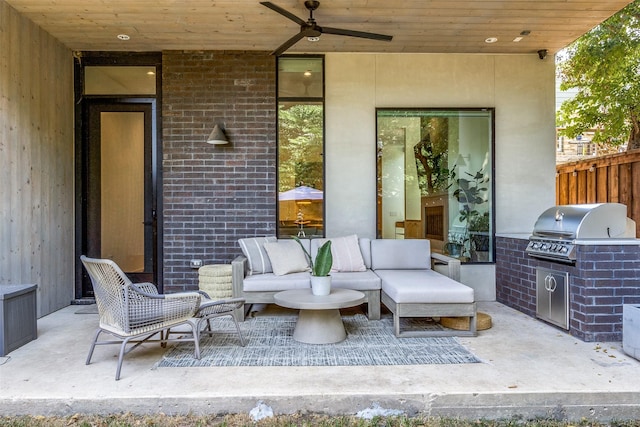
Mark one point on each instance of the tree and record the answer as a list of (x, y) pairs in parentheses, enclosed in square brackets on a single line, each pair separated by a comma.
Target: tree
[(604, 65), (300, 149), (432, 153)]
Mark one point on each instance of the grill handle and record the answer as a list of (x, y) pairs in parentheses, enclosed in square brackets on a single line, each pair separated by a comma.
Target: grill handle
[(554, 234)]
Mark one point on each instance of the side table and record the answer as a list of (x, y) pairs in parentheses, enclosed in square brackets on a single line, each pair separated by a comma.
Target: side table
[(18, 317), (215, 280)]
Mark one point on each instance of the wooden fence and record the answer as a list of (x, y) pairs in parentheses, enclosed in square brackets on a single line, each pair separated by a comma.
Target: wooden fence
[(609, 179)]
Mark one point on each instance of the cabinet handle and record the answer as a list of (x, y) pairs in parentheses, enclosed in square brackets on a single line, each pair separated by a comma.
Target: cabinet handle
[(550, 283)]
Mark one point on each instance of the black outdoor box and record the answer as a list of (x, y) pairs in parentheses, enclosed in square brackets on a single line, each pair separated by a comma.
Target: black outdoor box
[(18, 318)]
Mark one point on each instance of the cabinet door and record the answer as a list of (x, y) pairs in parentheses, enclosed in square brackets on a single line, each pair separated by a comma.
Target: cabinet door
[(552, 297), (558, 300)]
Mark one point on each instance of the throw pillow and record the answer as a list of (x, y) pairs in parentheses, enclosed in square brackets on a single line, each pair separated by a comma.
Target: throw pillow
[(346, 254), (257, 258), (286, 257)]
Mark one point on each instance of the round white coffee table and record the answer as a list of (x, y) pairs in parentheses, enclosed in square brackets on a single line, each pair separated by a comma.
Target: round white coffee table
[(319, 320)]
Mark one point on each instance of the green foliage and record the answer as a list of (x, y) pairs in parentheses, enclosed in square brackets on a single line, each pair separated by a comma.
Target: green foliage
[(479, 222), (604, 66), (432, 154), (471, 192), (324, 259), (300, 147)]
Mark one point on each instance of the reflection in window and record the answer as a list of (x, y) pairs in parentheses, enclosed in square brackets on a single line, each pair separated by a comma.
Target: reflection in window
[(119, 80), (435, 179), (300, 147)]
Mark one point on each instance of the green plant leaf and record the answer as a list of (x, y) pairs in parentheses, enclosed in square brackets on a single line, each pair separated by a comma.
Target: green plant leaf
[(324, 260)]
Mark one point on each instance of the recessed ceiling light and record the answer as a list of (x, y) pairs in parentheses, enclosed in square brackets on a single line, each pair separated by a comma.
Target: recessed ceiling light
[(123, 37), (517, 39), (491, 40), (313, 39), (151, 73)]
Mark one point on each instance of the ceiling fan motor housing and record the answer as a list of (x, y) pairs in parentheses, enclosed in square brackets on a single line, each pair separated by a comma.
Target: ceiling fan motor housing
[(311, 4)]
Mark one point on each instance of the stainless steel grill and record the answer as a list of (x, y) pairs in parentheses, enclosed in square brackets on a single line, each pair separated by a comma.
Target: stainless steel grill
[(558, 228)]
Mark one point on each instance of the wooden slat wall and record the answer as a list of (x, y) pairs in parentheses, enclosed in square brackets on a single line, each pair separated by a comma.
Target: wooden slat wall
[(610, 179), (36, 161)]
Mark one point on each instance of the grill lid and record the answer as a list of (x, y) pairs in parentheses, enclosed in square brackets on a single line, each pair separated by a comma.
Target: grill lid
[(589, 221), (557, 229)]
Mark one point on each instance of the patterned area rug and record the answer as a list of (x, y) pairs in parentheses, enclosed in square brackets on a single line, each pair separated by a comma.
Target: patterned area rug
[(269, 343)]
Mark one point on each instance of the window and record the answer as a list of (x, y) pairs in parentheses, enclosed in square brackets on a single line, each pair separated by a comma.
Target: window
[(119, 80), (435, 179), (300, 146)]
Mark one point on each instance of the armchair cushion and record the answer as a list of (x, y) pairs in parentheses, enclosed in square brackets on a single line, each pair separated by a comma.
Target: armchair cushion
[(257, 258), (286, 257)]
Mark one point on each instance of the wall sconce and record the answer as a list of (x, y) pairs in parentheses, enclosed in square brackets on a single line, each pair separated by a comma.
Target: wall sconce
[(574, 173), (217, 136), (460, 160), (592, 168)]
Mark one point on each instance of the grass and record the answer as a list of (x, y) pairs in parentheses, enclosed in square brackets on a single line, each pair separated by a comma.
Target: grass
[(161, 420)]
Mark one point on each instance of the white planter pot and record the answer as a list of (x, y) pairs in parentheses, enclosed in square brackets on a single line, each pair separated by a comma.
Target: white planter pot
[(320, 285), (631, 330)]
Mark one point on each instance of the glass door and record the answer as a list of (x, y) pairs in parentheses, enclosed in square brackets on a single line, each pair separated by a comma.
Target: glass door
[(120, 216)]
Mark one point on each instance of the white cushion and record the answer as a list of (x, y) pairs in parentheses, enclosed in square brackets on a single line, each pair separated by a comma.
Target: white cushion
[(269, 282), (400, 254), (358, 280), (286, 257), (423, 286), (257, 258), (365, 249), (345, 251)]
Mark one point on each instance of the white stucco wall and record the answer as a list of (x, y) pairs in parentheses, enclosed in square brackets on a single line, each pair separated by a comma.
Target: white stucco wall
[(521, 88)]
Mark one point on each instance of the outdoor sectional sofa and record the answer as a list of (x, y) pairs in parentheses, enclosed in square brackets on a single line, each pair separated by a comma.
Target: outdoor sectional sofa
[(405, 275)]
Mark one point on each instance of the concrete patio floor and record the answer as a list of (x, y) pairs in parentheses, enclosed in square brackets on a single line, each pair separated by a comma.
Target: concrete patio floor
[(530, 369)]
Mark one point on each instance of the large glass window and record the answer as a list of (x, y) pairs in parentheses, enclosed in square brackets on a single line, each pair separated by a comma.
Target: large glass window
[(435, 179), (300, 146)]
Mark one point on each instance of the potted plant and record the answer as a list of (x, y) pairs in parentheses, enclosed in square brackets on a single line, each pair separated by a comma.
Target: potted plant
[(479, 236), (470, 193), (454, 246), (320, 278)]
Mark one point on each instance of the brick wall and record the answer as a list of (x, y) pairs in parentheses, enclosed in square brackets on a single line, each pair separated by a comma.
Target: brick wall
[(515, 276), (602, 280), (212, 194), (609, 276)]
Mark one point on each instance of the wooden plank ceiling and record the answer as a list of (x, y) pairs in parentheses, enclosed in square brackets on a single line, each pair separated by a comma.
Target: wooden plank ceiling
[(438, 26)]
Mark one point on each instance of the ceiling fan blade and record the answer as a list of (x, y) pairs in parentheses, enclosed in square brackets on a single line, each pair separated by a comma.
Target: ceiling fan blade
[(352, 33), (286, 45), (283, 12)]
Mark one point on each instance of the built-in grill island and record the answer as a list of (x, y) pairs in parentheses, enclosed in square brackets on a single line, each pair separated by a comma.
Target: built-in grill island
[(576, 270)]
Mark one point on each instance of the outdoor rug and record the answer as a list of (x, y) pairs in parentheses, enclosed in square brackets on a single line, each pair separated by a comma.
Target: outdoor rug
[(269, 342)]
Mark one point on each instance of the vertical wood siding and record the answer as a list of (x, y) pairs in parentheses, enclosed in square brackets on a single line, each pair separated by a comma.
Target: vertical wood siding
[(36, 161), (609, 179)]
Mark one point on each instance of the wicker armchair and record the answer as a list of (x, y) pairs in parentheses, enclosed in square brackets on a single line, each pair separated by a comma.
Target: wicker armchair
[(225, 307), (134, 313)]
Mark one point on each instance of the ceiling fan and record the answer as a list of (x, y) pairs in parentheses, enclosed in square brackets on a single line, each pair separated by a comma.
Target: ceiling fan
[(312, 30)]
